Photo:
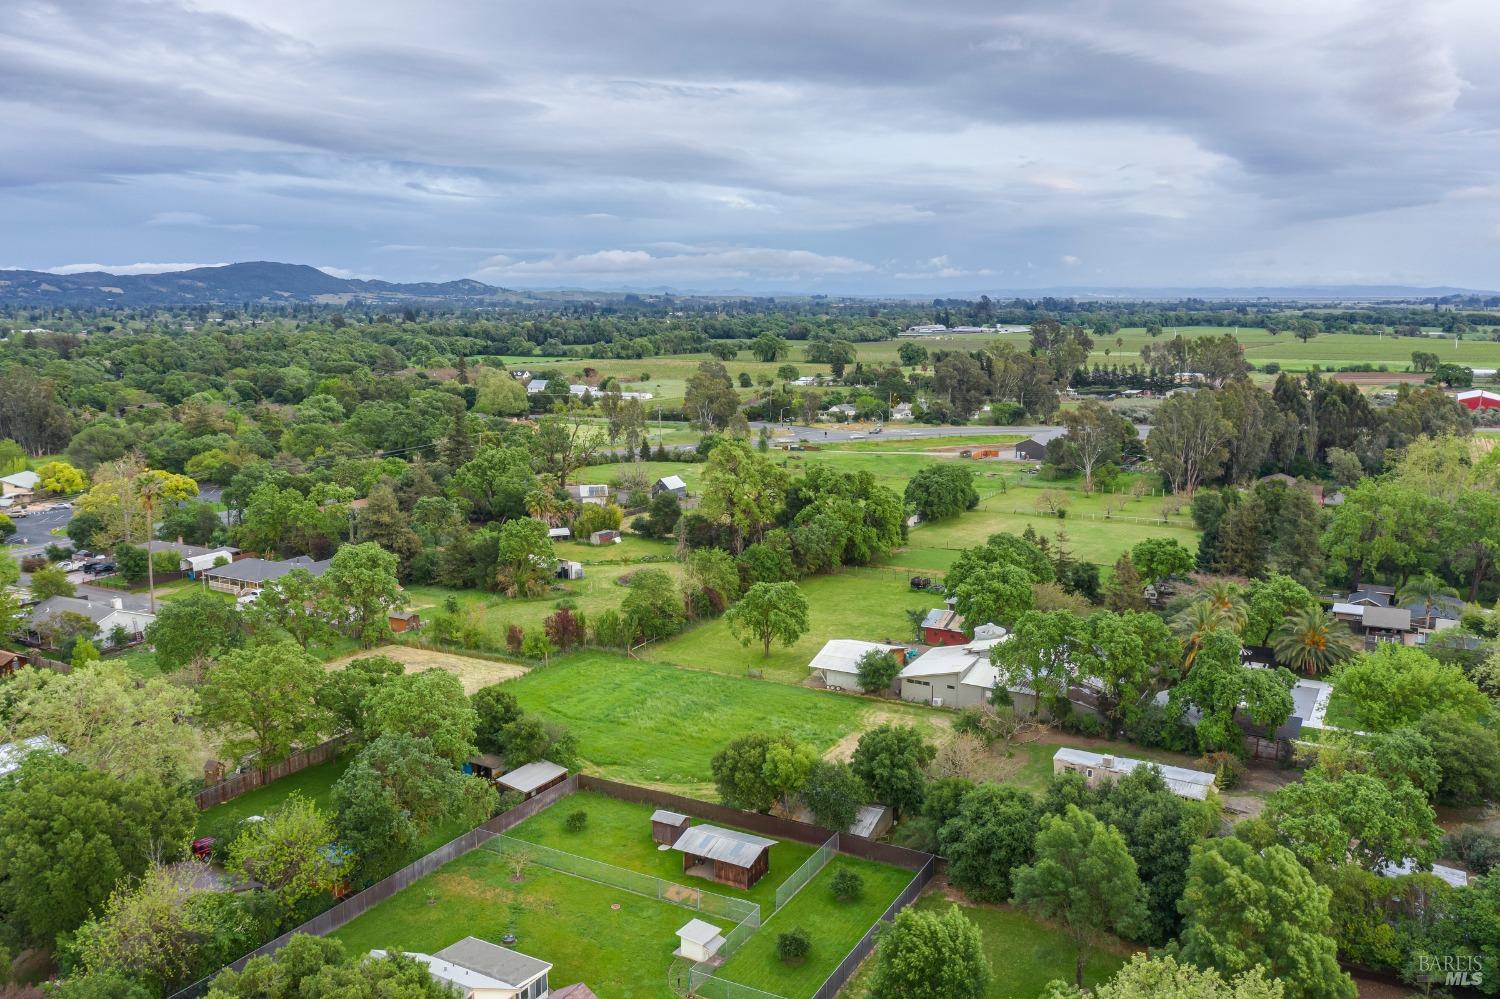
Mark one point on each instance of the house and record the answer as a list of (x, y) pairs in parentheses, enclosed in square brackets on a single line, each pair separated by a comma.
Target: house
[(478, 969), (667, 826), (1031, 449), (489, 766), (1098, 768), (1443, 612), (837, 662), (536, 386), (250, 574), (669, 484), (20, 485), (871, 821), (534, 778), (194, 564), (107, 617), (12, 753), (807, 381), (1478, 399), (727, 856), (402, 621), (952, 676), (591, 493), (1452, 875), (1373, 596), (1387, 623), (604, 538), (568, 569), (943, 627), (901, 411), (844, 409), (700, 941)]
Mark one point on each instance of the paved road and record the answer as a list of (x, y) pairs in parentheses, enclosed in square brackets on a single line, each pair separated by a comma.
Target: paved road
[(33, 532), (898, 431)]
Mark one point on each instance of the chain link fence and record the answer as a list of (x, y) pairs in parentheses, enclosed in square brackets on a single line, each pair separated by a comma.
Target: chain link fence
[(809, 870)]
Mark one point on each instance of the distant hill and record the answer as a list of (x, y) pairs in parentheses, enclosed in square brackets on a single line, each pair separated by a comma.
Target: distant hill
[(257, 281)]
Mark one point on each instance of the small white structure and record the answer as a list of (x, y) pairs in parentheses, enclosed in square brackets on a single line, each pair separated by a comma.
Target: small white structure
[(985, 632), (559, 533), (478, 969), (1100, 767), (12, 753), (700, 941), (536, 386), (871, 821), (837, 662), (568, 569), (194, 564), (590, 493), (534, 778), (1452, 875)]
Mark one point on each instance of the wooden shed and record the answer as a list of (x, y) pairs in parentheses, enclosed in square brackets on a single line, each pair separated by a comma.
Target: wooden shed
[(10, 662), (727, 856), (667, 826), (534, 778), (487, 765), (408, 620)]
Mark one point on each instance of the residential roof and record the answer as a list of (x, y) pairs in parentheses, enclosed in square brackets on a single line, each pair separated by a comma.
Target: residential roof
[(698, 932), (22, 480), (532, 776), (186, 550), (729, 846), (842, 655), (1182, 781), (1452, 875), (259, 570), (95, 612), (943, 660), (1353, 610), (576, 991), (472, 963), (1443, 607), (671, 482), (206, 560), (1388, 618), (943, 619), (670, 818), (12, 753)]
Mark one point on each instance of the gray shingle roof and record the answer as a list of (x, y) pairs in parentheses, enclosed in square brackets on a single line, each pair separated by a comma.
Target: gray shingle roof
[(500, 963), (259, 570)]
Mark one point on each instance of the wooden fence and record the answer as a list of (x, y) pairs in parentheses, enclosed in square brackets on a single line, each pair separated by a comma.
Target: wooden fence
[(233, 787)]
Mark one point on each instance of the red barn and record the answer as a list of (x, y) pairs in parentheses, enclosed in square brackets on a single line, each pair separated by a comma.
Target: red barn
[(1479, 399), (944, 627)]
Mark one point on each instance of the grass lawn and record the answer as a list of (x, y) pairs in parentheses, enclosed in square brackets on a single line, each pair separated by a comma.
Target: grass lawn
[(1340, 712), (651, 724), (1024, 954), (653, 470), (858, 603), (631, 548), (892, 440), (315, 783), (556, 917)]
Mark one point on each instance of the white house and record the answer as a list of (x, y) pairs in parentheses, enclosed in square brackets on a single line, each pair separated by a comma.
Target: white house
[(536, 386), (837, 662), (901, 411), (107, 617), (591, 493), (478, 969), (1100, 767), (951, 676), (19, 484)]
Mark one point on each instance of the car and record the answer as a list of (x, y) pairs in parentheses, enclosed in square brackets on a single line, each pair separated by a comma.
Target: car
[(15, 514), (246, 599), (99, 568), (856, 437), (65, 505)]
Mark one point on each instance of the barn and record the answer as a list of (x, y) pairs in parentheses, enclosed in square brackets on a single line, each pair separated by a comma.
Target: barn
[(1479, 399), (944, 627), (727, 856), (1031, 449)]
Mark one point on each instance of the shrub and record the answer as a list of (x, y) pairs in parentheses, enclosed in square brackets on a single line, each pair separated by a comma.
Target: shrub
[(846, 885), (1474, 847), (577, 821), (1228, 768), (1079, 723), (793, 945)]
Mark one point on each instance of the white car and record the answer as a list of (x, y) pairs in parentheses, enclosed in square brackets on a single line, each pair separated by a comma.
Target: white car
[(856, 437), (246, 599)]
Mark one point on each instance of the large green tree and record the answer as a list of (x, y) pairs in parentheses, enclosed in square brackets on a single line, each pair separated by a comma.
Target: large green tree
[(364, 577), (1355, 817), (262, 701), (199, 625), (990, 836), (926, 954), (769, 612), (1395, 685), (742, 491), (891, 760), (941, 490), (429, 705), (288, 853), (1219, 686)]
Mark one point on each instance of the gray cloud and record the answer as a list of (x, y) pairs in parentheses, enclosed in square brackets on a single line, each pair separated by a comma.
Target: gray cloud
[(861, 145)]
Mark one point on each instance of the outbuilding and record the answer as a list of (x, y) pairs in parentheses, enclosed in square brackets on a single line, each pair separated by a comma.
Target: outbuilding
[(727, 856), (944, 627), (567, 569), (669, 484), (700, 941), (604, 538), (534, 778), (489, 766), (1031, 449), (408, 620), (667, 826), (1100, 768), (837, 662)]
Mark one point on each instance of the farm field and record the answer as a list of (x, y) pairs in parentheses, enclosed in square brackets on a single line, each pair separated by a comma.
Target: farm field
[(474, 673), (869, 604), (657, 725)]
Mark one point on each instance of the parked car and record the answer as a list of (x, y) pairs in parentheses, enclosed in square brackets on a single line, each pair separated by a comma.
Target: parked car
[(99, 568)]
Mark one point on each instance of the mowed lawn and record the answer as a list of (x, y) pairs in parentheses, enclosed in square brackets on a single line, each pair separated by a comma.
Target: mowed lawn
[(618, 942), (1024, 954), (315, 783), (647, 723), (869, 604)]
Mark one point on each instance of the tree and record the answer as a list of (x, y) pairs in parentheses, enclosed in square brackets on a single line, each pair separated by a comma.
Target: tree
[(1124, 592), (384, 523), (276, 520), (833, 794), (1311, 640), (662, 515), (1268, 602), (1131, 655), (1157, 559), (494, 708), (298, 603), (710, 400), (989, 837), (261, 701), (1041, 655), (877, 670), (912, 354), (564, 629), (288, 852), (1395, 685), (1162, 977), (109, 718), (742, 490), (198, 626), (652, 608), (890, 759), (364, 577), (754, 772), (69, 833), (1356, 817), (1245, 909), (941, 490), (1467, 755), (1085, 879), (396, 790), (993, 594), (711, 580), (524, 558), (310, 967), (1427, 589), (926, 954), (1219, 686), (769, 348), (430, 705), (50, 581), (1095, 437), (496, 481), (769, 612), (498, 394), (1189, 441), (345, 693), (61, 478)]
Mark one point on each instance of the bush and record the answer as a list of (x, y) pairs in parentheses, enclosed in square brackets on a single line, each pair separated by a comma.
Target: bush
[(1080, 723), (577, 821), (1228, 768), (1473, 847), (793, 945), (846, 885)]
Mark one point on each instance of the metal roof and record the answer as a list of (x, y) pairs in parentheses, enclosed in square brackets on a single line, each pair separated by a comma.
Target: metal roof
[(532, 776), (867, 819), (1452, 875), (671, 482), (943, 660), (842, 655), (944, 619), (670, 818), (1179, 780), (727, 845)]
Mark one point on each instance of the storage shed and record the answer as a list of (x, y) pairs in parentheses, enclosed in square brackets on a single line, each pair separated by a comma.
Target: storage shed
[(700, 941), (534, 778), (727, 856), (487, 765), (568, 569), (667, 826), (407, 620), (604, 538)]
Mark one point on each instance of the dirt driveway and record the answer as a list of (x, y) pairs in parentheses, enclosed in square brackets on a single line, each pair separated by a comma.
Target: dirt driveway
[(472, 673)]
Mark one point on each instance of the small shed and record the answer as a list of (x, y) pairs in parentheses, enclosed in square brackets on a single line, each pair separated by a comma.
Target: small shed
[(559, 533), (871, 822), (569, 570), (10, 662), (727, 856), (408, 620), (604, 538), (667, 826), (534, 778), (669, 484), (944, 627), (1031, 449), (487, 765), (700, 941)]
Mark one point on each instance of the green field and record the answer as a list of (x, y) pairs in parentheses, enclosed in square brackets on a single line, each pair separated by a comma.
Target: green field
[(315, 783), (651, 724)]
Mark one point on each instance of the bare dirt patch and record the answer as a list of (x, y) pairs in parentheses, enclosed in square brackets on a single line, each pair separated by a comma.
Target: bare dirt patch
[(1378, 377), (843, 750), (472, 673)]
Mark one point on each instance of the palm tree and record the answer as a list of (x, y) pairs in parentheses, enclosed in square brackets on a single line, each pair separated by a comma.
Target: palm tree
[(1428, 589), (543, 504), (1228, 601), (1194, 623), (1311, 640)]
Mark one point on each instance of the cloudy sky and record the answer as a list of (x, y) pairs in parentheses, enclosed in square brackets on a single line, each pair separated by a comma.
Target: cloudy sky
[(844, 145)]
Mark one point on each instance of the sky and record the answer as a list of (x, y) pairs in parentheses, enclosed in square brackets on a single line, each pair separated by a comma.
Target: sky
[(842, 146)]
